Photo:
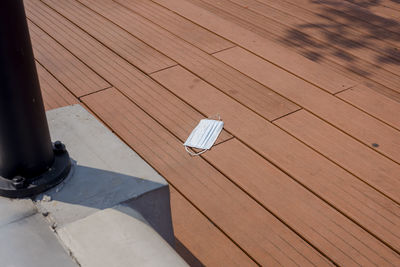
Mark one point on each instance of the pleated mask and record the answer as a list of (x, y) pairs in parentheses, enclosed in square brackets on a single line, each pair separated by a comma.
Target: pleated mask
[(204, 135)]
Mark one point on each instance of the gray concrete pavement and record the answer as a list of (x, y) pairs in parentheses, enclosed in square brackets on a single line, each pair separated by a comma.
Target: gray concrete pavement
[(130, 242), (29, 241)]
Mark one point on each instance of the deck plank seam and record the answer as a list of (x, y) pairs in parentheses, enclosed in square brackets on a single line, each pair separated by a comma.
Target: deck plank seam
[(341, 91), (224, 141), (294, 111), (227, 48), (151, 73), (100, 90)]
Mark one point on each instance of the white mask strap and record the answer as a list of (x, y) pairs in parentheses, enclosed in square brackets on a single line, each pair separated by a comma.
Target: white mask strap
[(216, 116), (194, 154)]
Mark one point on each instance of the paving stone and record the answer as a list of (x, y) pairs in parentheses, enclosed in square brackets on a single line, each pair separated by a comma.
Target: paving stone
[(123, 238), (15, 209), (30, 242)]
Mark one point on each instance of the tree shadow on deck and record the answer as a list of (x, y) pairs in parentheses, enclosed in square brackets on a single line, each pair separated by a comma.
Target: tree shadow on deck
[(337, 22)]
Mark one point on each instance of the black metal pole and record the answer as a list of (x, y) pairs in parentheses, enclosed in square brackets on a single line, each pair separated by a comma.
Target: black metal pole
[(25, 145), (26, 151)]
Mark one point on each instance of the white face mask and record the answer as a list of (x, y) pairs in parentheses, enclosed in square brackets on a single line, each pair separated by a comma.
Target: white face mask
[(204, 135)]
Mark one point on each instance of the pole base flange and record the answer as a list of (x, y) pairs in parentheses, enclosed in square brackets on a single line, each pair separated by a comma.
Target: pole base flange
[(20, 187)]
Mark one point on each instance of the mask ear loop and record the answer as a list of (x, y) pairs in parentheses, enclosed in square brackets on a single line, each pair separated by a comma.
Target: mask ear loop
[(194, 154), (216, 115)]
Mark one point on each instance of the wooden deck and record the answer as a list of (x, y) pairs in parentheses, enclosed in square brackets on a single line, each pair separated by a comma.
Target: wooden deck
[(307, 170)]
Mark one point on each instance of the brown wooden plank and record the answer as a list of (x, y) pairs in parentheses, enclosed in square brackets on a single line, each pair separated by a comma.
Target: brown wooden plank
[(312, 41), (373, 103), (344, 116), (227, 79), (54, 94), (127, 46), (364, 13), (318, 17), (329, 80), (359, 19), (369, 8), (178, 25), (203, 240), (66, 67), (256, 231), (394, 5), (386, 9), (340, 239), (331, 183), (156, 100), (378, 171)]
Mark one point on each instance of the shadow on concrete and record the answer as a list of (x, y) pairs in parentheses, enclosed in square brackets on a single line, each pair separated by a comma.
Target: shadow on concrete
[(100, 189), (337, 41), (88, 190)]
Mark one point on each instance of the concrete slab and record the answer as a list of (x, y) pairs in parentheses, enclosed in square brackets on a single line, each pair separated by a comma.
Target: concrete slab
[(98, 240), (12, 210), (30, 242), (106, 172)]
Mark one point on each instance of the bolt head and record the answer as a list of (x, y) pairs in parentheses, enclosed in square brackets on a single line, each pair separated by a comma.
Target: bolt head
[(59, 146), (18, 182)]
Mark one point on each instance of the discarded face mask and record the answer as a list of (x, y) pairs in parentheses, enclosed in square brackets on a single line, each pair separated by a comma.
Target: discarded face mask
[(204, 135)]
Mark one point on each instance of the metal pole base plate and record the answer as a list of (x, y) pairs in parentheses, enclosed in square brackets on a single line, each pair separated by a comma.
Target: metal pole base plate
[(20, 187)]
